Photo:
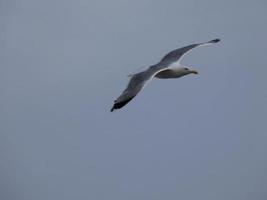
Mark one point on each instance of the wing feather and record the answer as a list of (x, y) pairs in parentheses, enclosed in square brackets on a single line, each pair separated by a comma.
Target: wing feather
[(136, 84), (177, 54)]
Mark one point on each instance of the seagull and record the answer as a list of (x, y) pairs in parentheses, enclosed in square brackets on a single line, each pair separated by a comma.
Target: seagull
[(168, 67)]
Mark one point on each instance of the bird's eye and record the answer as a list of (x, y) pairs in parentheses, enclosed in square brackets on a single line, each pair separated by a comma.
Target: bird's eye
[(186, 68)]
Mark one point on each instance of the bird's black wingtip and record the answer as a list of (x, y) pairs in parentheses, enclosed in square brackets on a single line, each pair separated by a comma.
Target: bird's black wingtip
[(215, 40), (120, 104)]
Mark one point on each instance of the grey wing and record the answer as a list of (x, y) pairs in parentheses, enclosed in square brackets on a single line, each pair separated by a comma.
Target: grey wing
[(177, 54), (134, 86)]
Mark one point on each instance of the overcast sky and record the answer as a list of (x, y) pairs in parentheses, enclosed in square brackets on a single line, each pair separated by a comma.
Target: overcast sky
[(63, 63)]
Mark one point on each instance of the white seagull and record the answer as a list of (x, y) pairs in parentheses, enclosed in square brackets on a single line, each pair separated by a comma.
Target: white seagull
[(168, 67)]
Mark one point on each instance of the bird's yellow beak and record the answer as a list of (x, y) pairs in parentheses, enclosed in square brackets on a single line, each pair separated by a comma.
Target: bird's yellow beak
[(194, 72)]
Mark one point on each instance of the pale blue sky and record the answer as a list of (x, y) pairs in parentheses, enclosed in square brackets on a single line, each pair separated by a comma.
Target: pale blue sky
[(62, 64)]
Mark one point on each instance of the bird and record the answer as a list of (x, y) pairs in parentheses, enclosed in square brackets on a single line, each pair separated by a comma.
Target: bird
[(168, 67)]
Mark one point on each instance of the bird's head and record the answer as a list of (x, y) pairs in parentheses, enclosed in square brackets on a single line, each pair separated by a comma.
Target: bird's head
[(187, 70)]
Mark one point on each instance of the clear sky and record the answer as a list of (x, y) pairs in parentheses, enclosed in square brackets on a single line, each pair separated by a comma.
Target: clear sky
[(62, 64)]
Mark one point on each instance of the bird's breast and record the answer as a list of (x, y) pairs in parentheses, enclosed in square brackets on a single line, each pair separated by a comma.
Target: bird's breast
[(168, 73)]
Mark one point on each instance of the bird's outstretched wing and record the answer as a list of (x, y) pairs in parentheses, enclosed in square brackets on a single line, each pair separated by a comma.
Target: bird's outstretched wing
[(136, 84), (177, 54)]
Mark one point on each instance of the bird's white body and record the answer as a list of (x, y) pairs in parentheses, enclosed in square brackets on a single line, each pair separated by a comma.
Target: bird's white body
[(176, 70), (171, 73)]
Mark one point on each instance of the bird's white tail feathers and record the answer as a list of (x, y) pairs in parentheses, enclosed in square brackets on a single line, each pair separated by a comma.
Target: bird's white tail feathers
[(140, 69)]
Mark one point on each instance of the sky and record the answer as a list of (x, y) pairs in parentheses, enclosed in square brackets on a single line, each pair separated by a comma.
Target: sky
[(63, 63)]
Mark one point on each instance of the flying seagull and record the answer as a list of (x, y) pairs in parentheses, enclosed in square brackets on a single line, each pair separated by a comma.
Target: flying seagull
[(168, 67)]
